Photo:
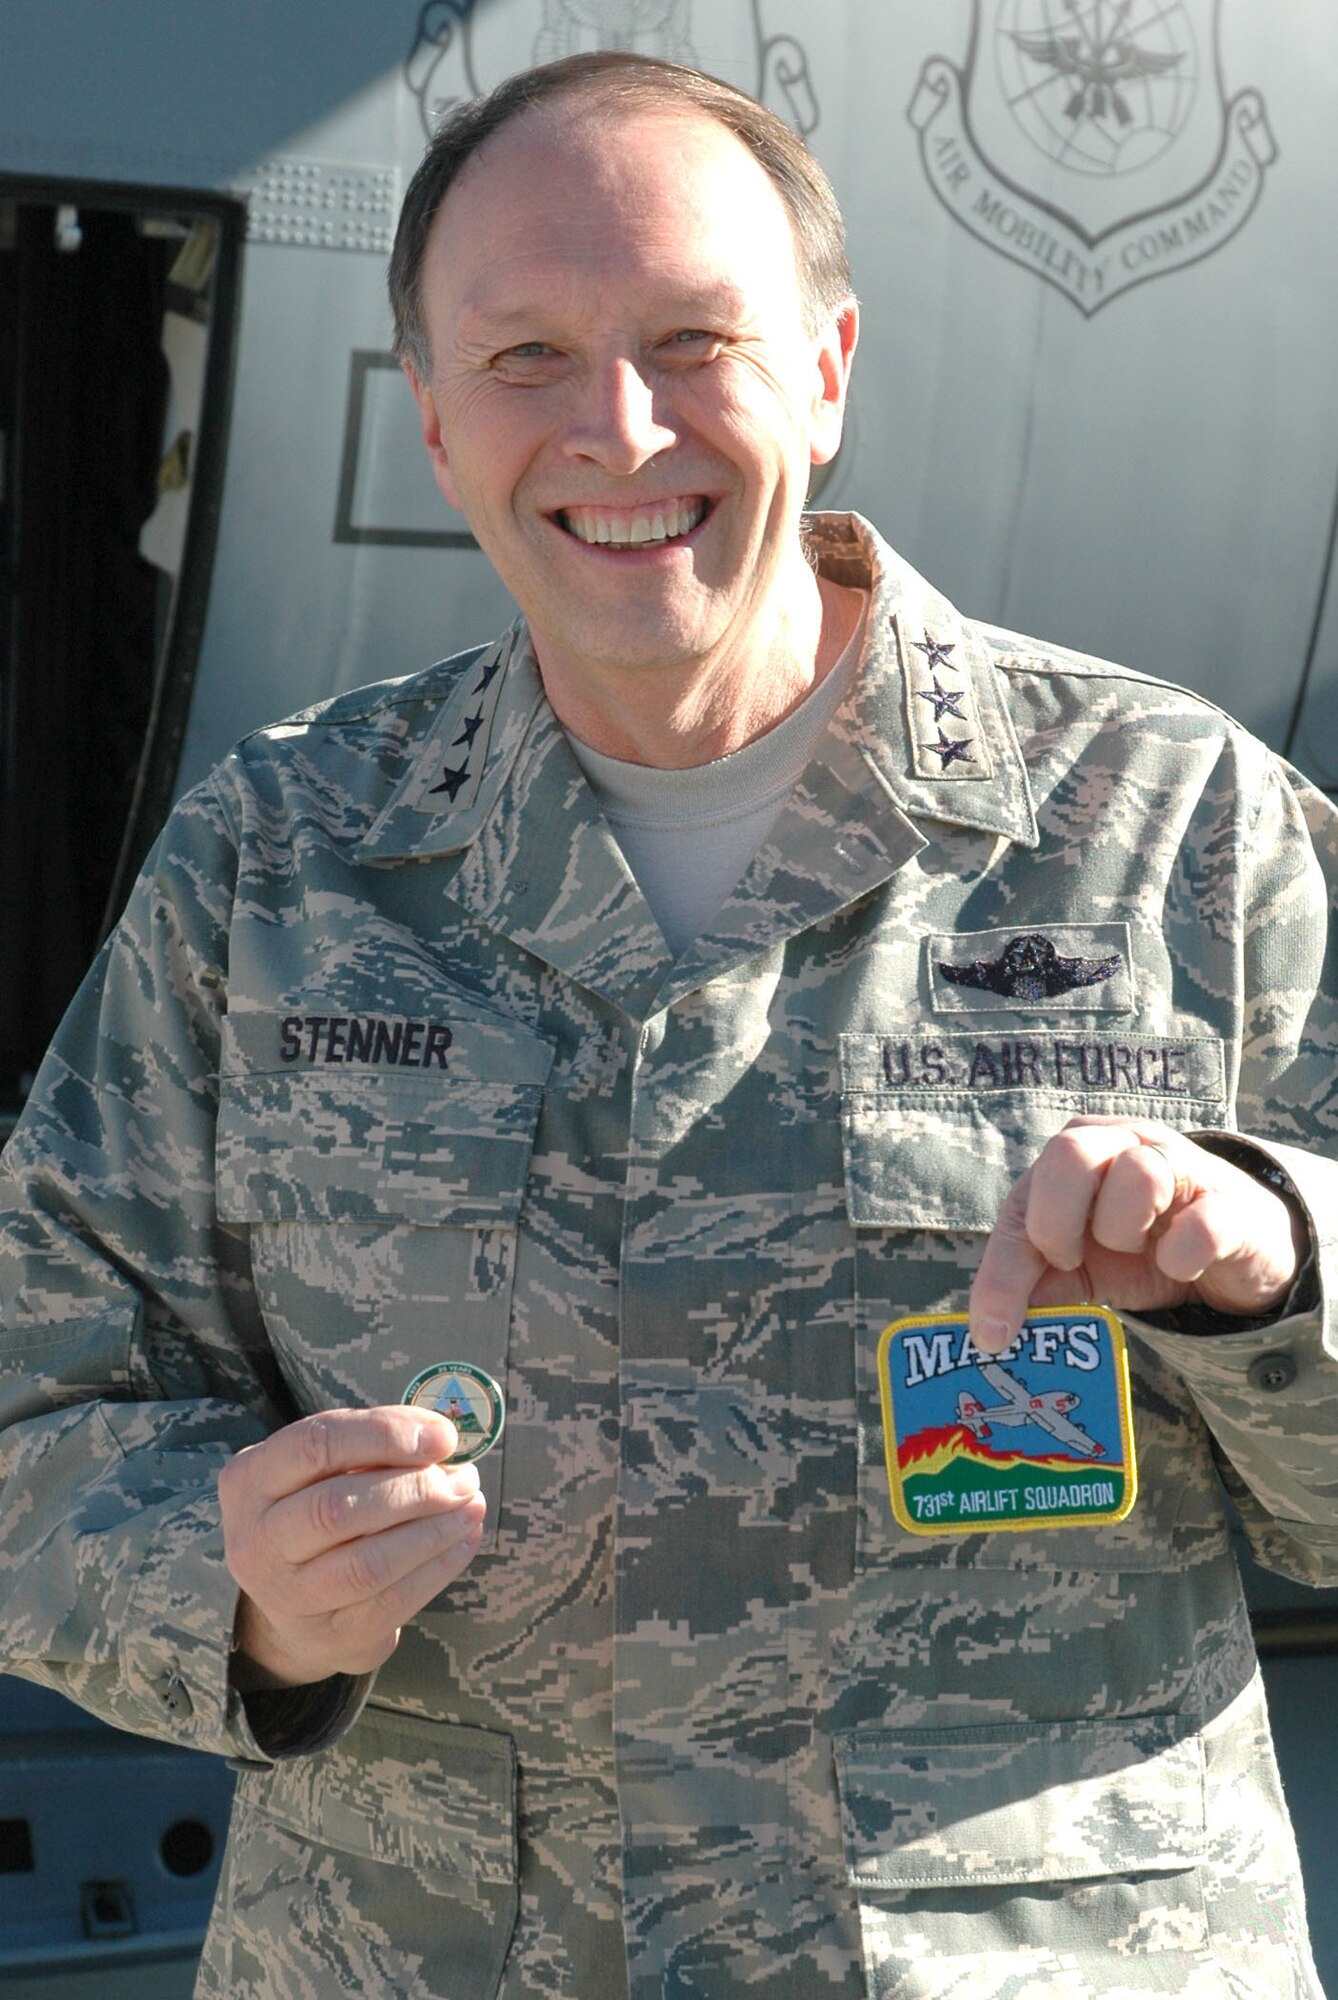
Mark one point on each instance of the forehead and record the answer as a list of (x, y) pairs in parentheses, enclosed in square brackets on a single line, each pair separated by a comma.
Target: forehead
[(601, 195)]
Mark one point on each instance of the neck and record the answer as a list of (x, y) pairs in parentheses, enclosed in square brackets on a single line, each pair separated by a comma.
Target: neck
[(680, 716)]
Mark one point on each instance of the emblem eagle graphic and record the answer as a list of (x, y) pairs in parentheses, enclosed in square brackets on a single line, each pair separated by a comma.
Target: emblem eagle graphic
[(1098, 60)]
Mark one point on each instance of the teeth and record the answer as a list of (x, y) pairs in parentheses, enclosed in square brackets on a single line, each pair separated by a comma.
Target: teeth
[(659, 524)]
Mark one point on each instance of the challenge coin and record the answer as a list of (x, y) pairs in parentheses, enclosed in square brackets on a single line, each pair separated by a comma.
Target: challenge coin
[(469, 1397)]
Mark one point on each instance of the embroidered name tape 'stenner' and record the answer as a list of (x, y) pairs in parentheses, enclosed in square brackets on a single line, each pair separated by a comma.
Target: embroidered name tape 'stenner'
[(1040, 1436)]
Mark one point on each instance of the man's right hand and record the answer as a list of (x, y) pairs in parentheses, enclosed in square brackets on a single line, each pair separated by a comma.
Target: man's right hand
[(338, 1530)]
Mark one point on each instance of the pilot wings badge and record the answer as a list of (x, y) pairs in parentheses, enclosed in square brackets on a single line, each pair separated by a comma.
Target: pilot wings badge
[(1040, 1436)]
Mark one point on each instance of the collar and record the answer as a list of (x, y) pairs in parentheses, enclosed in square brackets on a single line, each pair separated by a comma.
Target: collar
[(927, 712), (928, 709), (923, 735), (475, 737)]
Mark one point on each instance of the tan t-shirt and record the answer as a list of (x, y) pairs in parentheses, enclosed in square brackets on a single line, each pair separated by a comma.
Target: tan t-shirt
[(689, 836)]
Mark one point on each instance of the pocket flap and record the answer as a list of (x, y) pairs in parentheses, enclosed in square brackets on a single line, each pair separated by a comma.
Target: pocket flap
[(370, 1146), (426, 1795), (937, 1123), (1031, 1802)]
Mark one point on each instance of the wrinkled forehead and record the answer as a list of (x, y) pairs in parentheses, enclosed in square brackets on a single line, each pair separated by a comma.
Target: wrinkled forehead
[(589, 155), (599, 211)]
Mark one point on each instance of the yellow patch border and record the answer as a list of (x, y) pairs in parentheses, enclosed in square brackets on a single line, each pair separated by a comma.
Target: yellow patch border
[(1036, 1522)]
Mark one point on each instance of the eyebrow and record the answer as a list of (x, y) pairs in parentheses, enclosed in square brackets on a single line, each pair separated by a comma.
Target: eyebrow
[(480, 320)]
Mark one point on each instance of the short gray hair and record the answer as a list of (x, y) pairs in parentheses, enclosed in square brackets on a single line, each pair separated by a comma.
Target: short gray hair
[(618, 78)]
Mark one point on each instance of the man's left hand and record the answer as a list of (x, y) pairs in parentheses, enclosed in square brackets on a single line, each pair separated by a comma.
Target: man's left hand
[(1132, 1216)]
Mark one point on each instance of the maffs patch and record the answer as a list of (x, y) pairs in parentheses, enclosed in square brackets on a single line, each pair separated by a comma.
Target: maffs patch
[(1040, 1436)]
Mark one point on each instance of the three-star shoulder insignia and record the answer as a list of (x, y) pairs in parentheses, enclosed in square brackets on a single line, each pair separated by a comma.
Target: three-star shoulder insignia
[(938, 751), (463, 738)]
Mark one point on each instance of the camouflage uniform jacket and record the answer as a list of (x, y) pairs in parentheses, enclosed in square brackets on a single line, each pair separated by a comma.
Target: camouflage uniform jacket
[(388, 1064)]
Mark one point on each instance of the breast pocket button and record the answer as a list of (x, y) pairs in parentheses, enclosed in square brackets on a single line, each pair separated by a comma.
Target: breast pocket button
[(1272, 1372)]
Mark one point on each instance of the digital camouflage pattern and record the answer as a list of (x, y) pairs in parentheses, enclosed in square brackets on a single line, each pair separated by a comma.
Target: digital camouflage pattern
[(388, 1065)]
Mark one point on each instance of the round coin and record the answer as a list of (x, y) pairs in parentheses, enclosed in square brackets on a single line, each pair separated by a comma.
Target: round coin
[(469, 1397)]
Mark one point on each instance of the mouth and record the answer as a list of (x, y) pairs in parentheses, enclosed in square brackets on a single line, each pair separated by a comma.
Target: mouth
[(653, 526)]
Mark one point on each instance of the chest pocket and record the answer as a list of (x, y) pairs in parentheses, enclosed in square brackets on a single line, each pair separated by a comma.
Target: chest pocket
[(382, 1204), (936, 1127)]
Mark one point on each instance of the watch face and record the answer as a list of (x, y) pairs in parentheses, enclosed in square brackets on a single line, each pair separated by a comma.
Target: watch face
[(469, 1397)]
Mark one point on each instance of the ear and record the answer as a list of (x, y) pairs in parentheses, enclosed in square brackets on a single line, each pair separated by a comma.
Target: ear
[(836, 351), (432, 437)]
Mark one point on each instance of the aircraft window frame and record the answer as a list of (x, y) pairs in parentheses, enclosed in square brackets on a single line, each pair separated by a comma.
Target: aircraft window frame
[(363, 362)]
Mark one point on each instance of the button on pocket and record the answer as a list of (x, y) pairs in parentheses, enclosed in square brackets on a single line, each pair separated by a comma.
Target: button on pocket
[(1272, 1372)]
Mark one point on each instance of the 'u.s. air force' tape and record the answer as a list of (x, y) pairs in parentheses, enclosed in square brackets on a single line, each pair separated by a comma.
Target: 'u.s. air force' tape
[(1040, 1436), (469, 1397)]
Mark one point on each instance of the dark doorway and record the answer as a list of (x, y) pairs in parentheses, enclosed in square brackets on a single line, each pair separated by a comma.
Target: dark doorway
[(117, 327)]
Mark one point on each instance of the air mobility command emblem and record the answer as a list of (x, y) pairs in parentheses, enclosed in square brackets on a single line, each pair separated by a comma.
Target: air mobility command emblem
[(469, 1397), (1093, 144), (1039, 1436)]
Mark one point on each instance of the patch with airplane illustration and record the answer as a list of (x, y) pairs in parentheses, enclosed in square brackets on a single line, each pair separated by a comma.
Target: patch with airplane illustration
[(1040, 1436)]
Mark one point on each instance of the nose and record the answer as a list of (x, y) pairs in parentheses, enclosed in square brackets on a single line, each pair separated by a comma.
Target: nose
[(614, 422)]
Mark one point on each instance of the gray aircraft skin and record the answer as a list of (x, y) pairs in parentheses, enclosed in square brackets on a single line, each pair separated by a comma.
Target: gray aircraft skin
[(1095, 400)]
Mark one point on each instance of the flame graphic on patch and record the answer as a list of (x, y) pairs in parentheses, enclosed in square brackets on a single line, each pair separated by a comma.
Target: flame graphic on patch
[(937, 1445), (933, 1447)]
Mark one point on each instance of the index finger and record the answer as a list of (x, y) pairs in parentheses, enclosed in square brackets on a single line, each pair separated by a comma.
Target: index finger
[(1009, 1271), (338, 1441)]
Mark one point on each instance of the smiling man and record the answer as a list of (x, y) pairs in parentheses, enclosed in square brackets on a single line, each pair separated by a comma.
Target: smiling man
[(605, 1036), (625, 390)]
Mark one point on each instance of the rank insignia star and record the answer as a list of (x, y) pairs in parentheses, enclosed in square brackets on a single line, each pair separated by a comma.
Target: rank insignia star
[(952, 750), (945, 701), (489, 674), (451, 782), (469, 729), (1032, 968), (936, 654)]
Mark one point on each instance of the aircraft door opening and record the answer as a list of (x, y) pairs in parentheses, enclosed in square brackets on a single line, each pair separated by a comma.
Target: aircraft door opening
[(117, 329)]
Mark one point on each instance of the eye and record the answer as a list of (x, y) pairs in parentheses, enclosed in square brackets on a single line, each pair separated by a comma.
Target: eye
[(690, 346), (527, 362)]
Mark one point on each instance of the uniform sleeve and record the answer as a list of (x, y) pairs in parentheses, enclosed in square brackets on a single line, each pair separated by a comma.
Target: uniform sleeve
[(1269, 1393), (132, 1358)]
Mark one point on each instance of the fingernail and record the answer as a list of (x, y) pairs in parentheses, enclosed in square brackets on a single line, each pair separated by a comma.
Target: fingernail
[(991, 1336), (429, 1440)]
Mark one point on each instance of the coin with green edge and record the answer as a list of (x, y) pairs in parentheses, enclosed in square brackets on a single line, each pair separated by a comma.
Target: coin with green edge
[(469, 1397)]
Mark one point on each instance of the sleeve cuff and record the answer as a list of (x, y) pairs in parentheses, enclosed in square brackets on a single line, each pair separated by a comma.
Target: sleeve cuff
[(297, 1721)]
